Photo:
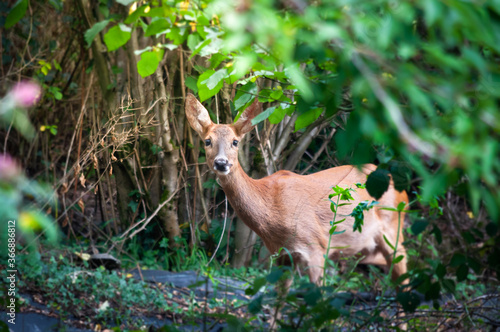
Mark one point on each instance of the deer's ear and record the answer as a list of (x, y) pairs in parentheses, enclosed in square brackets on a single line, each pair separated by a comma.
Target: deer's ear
[(197, 115), (244, 123)]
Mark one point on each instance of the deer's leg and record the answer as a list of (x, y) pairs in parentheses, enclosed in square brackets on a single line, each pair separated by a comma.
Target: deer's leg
[(400, 268), (315, 267)]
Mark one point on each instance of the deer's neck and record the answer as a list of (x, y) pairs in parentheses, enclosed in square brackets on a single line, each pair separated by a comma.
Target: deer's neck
[(251, 199)]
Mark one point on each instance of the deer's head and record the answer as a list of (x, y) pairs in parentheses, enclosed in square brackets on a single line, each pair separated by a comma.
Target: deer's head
[(221, 141)]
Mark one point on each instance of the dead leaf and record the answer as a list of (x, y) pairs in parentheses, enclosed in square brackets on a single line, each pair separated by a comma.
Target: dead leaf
[(104, 306), (96, 162), (96, 189), (64, 188), (83, 256), (81, 204), (82, 180)]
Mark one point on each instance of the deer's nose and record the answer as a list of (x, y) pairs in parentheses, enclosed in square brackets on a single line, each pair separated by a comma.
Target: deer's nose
[(221, 164)]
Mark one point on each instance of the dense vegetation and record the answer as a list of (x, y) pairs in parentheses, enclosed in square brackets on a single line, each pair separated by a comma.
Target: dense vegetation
[(97, 155)]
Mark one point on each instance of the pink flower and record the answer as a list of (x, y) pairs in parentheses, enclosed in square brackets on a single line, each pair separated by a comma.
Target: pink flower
[(9, 169), (26, 93)]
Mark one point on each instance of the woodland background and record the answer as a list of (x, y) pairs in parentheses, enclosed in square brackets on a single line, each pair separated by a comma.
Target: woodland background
[(105, 161)]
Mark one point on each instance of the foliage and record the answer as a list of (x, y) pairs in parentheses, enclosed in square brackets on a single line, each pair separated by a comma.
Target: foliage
[(96, 296), (415, 82), (22, 199)]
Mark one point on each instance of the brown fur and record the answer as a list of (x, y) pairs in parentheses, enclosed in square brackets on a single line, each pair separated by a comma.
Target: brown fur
[(293, 211)]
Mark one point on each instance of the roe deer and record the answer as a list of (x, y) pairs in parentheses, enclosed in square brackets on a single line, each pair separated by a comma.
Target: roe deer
[(293, 211)]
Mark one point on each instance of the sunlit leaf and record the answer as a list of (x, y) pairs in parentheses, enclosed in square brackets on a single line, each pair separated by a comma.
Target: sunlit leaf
[(277, 116), (263, 115), (210, 82), (91, 33), (158, 24), (125, 2), (149, 63), (117, 36)]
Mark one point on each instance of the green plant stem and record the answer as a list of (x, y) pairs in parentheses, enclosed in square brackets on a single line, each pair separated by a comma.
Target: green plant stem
[(396, 244), (392, 261), (330, 240)]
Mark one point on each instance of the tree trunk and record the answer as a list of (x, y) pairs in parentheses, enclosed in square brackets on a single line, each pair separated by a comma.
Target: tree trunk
[(244, 240), (169, 156)]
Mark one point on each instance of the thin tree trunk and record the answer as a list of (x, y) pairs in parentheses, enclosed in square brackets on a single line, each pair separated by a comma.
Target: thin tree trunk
[(169, 156)]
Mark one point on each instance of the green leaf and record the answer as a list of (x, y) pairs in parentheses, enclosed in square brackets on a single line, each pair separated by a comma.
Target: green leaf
[(378, 182), (57, 94), (462, 272), (419, 226), (135, 14), (117, 36), (307, 118), (433, 291), (191, 83), (92, 32), (437, 234), (255, 306), (16, 13), (215, 79), (244, 95), (457, 260), (159, 24), (257, 285), (409, 301), (275, 275), (210, 82), (149, 62), (389, 243), (125, 2), (312, 296), (276, 94), (474, 265), (491, 229), (200, 47), (262, 116), (401, 206), (398, 259), (192, 41), (440, 271), (448, 285), (277, 116), (298, 79), (358, 211)]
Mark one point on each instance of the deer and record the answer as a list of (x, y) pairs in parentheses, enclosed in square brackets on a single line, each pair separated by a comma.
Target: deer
[(288, 210)]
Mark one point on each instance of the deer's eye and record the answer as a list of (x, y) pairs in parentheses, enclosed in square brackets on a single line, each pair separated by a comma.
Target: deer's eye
[(235, 143), (208, 142)]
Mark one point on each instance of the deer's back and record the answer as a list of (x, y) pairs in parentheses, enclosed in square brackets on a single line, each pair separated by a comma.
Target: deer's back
[(304, 216)]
